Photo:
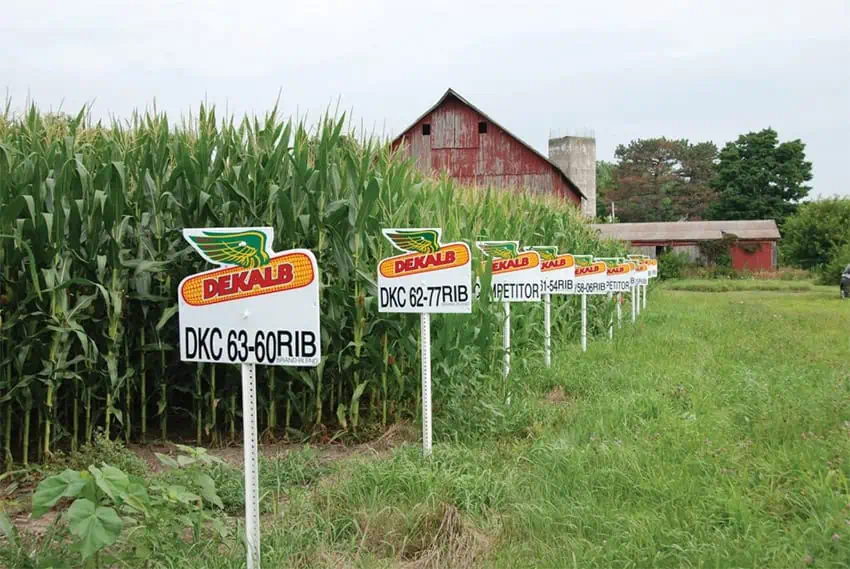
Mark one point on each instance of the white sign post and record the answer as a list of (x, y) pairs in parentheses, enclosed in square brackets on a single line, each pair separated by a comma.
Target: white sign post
[(642, 275), (652, 265), (619, 276), (642, 280), (428, 277), (634, 305), (632, 285), (619, 310), (506, 339), (557, 276), (591, 279), (515, 278), (258, 307), (584, 323)]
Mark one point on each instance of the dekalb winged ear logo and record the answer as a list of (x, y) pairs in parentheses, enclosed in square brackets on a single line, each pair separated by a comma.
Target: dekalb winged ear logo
[(546, 253), (248, 266), (241, 248), (500, 249), (423, 253), (506, 256), (414, 240)]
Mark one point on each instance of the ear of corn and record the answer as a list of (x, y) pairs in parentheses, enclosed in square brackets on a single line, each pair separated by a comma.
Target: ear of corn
[(91, 255)]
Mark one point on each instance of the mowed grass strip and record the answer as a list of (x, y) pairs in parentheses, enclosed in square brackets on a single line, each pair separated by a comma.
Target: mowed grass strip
[(716, 434), (753, 285)]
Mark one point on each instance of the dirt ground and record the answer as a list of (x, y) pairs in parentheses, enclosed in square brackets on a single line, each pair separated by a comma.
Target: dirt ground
[(16, 503)]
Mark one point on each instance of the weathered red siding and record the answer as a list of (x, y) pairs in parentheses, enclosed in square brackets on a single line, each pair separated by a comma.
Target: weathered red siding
[(495, 158), (759, 260)]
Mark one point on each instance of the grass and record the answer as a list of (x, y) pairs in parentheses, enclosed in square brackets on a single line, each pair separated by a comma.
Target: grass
[(736, 285), (715, 433)]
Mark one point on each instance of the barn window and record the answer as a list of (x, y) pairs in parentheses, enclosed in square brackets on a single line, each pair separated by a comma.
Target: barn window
[(426, 129), (482, 127)]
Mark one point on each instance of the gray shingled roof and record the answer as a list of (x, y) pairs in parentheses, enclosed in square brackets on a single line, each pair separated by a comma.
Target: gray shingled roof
[(689, 230)]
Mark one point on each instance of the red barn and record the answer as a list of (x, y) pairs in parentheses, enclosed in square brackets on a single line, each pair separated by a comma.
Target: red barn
[(455, 137), (753, 242)]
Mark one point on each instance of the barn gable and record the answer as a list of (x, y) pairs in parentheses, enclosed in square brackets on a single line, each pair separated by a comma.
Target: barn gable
[(455, 137)]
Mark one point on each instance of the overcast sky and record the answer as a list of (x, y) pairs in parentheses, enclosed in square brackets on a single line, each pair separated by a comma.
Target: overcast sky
[(626, 70)]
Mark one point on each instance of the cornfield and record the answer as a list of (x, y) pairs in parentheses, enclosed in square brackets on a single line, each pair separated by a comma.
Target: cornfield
[(91, 255)]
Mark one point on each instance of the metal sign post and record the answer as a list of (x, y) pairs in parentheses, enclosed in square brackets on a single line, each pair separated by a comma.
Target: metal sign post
[(231, 314), (516, 277), (634, 304), (619, 310), (252, 471), (557, 274), (584, 323), (591, 278), (506, 342), (637, 303), (547, 323), (619, 281), (428, 277), (425, 333)]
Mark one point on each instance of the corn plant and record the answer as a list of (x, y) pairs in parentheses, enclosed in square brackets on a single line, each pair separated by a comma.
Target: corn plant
[(91, 255)]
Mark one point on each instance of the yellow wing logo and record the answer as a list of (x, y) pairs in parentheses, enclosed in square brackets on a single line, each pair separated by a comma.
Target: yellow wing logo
[(546, 253), (499, 249), (241, 248), (414, 240)]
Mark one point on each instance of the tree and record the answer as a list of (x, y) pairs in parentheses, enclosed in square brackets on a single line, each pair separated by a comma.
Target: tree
[(757, 177), (605, 173), (817, 236), (660, 179)]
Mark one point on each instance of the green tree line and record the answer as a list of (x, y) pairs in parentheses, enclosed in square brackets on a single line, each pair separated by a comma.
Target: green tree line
[(659, 179)]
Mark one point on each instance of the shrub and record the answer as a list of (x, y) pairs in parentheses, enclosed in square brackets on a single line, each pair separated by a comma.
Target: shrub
[(102, 449), (671, 263), (716, 251), (830, 273), (813, 236)]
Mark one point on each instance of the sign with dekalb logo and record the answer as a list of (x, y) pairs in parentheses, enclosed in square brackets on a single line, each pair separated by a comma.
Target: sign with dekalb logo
[(591, 276), (619, 275), (427, 277), (516, 275), (653, 268), (557, 272), (258, 307), (641, 269)]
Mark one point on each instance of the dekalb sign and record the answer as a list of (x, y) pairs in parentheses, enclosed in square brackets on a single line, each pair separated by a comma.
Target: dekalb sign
[(258, 307), (620, 276), (557, 272), (591, 276), (516, 275), (428, 277)]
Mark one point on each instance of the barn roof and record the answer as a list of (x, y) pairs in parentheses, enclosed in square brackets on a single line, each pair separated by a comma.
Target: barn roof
[(452, 93), (764, 229)]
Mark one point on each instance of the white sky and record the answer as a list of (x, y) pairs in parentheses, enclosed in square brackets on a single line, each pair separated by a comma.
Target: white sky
[(626, 69)]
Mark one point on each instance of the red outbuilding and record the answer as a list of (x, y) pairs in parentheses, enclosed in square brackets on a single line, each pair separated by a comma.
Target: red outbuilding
[(752, 242), (457, 138)]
